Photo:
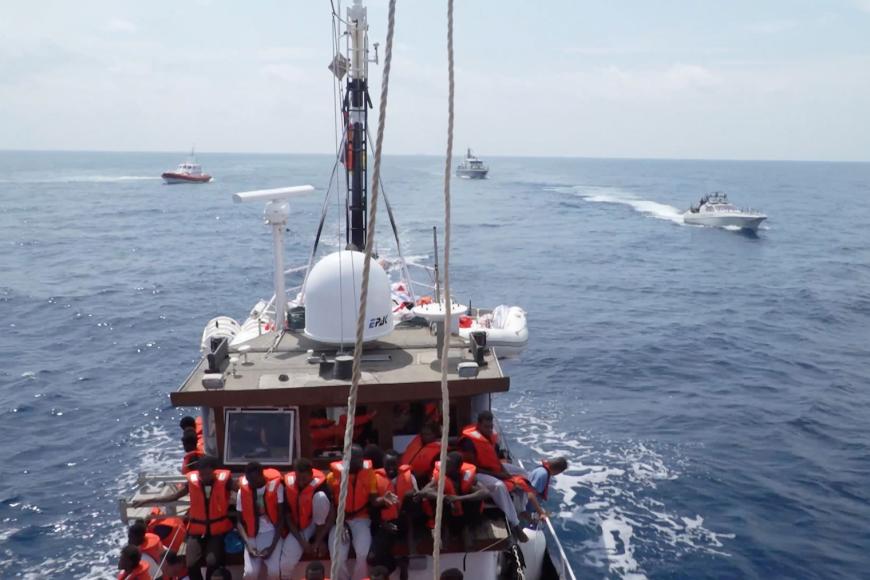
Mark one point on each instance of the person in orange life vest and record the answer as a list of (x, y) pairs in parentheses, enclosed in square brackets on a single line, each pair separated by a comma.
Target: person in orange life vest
[(260, 523), (149, 545), (423, 451), (362, 495), (395, 519), (192, 452), (540, 478), (479, 445), (209, 489), (315, 571), (174, 568), (188, 422), (131, 565), (463, 495), (306, 496)]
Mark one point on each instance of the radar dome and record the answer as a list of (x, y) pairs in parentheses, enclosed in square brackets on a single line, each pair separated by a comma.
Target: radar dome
[(332, 299)]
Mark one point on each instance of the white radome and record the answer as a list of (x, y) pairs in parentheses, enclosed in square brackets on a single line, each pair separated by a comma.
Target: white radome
[(332, 300)]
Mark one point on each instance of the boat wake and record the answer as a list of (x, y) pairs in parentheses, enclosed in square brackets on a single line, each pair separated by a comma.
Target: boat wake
[(610, 517), (613, 195), (84, 179)]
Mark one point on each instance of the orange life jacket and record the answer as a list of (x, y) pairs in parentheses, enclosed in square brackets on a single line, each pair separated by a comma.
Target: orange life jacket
[(171, 530), (250, 517), (210, 519), (189, 457), (140, 572), (546, 465), (301, 503), (484, 448), (421, 457), (403, 485), (200, 440), (468, 474), (152, 546), (358, 490)]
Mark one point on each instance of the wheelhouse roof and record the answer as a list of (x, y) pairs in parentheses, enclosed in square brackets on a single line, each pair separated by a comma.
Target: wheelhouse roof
[(403, 366)]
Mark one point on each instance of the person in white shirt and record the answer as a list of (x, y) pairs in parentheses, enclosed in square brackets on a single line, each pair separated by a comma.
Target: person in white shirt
[(260, 507)]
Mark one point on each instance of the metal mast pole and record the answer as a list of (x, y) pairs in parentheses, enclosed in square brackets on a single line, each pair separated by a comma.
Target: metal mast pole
[(355, 109)]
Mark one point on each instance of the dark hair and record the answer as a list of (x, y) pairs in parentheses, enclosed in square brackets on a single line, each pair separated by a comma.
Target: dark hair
[(189, 440), (223, 573), (132, 553), (381, 571), (136, 532), (559, 463), (208, 462), (374, 453), (187, 422), (451, 574), (315, 566), (392, 453), (254, 467), (432, 427), (485, 416), (303, 465), (454, 456), (173, 558)]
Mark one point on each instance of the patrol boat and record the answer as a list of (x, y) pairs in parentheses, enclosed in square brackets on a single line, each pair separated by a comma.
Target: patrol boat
[(715, 210), (187, 172), (275, 387), (472, 167)]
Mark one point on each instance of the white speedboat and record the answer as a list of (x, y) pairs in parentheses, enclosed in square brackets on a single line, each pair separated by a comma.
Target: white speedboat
[(714, 210), (472, 167)]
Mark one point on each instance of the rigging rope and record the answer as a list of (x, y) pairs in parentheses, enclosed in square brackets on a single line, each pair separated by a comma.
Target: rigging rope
[(445, 347), (364, 290)]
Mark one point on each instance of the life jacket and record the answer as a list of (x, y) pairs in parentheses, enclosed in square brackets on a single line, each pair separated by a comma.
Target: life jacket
[(200, 440), (211, 519), (403, 485), (301, 503), (189, 457), (152, 546), (468, 474), (250, 517), (140, 572), (421, 457), (484, 448), (172, 530), (358, 490)]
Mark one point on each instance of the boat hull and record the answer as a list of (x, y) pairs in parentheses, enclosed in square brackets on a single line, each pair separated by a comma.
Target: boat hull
[(171, 178), (743, 222), (472, 173)]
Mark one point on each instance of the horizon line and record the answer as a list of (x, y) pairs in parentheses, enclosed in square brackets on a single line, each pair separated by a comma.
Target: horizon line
[(330, 154)]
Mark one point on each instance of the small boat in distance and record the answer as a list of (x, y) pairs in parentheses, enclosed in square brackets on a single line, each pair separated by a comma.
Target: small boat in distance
[(472, 167), (715, 210), (187, 172)]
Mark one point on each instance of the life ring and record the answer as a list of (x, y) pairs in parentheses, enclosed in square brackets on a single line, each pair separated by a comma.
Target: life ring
[(424, 300)]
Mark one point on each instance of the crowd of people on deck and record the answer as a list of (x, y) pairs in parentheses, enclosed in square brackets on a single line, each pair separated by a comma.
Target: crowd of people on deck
[(283, 518)]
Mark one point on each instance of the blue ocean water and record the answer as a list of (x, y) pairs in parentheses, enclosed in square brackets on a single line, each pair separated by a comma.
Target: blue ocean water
[(709, 388)]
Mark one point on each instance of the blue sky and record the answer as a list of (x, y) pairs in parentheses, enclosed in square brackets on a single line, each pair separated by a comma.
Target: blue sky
[(764, 79)]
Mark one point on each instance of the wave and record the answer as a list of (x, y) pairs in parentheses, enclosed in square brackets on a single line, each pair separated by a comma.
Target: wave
[(614, 195), (84, 179), (609, 507)]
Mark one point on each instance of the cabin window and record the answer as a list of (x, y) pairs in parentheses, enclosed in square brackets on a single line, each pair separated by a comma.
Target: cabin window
[(327, 424), (264, 435)]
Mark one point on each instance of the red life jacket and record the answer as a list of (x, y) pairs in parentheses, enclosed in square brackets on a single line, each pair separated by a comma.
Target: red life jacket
[(484, 448), (468, 474), (546, 465), (189, 457), (171, 530), (200, 440), (403, 485), (301, 503), (152, 546), (211, 519), (140, 572), (421, 457), (250, 517), (358, 490)]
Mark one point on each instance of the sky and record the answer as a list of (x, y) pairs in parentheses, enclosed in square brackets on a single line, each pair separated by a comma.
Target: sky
[(742, 79)]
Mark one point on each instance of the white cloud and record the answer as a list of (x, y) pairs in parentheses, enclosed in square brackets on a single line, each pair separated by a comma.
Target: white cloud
[(120, 25), (773, 26)]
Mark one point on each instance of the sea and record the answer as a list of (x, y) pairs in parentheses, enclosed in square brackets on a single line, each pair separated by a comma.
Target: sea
[(709, 388)]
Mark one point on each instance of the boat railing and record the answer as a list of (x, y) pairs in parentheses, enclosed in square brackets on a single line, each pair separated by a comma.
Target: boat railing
[(149, 489)]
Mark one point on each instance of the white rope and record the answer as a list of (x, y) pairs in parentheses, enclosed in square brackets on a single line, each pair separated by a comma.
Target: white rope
[(364, 290), (445, 348)]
